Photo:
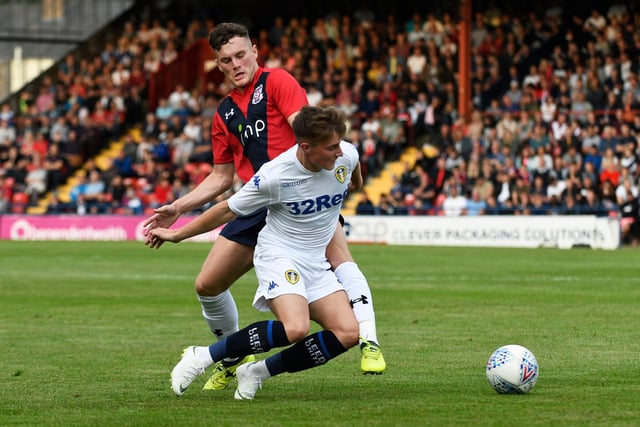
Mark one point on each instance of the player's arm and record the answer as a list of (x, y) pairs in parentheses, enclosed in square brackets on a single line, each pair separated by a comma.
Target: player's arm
[(287, 94), (292, 117), (217, 182), (209, 220), (356, 179)]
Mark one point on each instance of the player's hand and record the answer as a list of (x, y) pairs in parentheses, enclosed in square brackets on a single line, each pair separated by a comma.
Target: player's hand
[(163, 217), (157, 236)]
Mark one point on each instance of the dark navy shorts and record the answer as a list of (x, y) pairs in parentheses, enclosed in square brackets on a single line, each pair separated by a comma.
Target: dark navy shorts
[(245, 229)]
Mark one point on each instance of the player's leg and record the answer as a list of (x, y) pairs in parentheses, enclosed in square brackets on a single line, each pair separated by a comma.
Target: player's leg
[(227, 262), (292, 324), (230, 257), (334, 313), (361, 300), (340, 333), (258, 337)]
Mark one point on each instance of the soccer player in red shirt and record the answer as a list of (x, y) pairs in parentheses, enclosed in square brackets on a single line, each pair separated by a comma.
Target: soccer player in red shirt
[(253, 125)]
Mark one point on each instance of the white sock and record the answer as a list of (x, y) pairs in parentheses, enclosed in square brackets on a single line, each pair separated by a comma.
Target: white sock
[(359, 294), (259, 369), (221, 314), (202, 354)]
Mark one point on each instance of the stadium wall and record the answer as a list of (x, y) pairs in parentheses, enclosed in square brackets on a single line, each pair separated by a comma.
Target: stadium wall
[(563, 232)]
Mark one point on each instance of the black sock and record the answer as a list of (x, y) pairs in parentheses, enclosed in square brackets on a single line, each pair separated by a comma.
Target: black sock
[(259, 337), (313, 350)]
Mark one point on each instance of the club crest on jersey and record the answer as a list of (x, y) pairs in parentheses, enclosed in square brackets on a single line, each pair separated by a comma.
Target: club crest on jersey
[(258, 94), (341, 174), (292, 276)]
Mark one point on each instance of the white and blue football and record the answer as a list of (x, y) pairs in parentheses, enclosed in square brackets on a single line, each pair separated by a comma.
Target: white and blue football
[(512, 369)]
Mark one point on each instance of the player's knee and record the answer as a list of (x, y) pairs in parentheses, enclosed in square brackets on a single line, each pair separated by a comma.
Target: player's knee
[(296, 330), (348, 334), (208, 288), (338, 257), (338, 253)]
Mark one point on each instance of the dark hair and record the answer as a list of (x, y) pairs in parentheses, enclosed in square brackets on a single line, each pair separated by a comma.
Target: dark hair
[(225, 31), (318, 124)]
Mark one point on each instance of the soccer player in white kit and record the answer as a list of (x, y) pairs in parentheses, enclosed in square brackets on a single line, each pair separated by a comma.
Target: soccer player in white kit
[(304, 189)]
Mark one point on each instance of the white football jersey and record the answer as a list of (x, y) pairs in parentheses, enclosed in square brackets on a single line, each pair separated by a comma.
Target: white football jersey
[(304, 206)]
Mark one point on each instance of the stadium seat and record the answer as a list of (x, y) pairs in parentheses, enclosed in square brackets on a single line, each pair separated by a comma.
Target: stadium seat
[(19, 202), (437, 205)]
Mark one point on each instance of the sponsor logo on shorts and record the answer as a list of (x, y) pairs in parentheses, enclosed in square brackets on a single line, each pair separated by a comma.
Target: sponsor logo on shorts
[(272, 286)]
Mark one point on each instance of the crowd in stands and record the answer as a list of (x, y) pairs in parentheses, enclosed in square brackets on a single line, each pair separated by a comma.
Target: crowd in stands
[(554, 127)]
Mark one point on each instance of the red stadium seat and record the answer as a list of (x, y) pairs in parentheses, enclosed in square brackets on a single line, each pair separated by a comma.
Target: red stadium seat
[(19, 202)]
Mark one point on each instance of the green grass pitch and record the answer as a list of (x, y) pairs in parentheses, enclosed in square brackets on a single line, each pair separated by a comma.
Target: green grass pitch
[(89, 333)]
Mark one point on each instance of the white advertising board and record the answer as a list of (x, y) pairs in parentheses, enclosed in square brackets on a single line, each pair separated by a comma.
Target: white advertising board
[(486, 231)]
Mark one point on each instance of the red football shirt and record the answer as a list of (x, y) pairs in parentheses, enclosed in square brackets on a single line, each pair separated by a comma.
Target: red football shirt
[(251, 128)]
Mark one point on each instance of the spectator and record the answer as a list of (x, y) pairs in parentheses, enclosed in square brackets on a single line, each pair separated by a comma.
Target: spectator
[(365, 206), (369, 156), (36, 179), (417, 61), (625, 191), (608, 196), (314, 96), (541, 164), (454, 203), (424, 190), (595, 23), (7, 132), (581, 107), (121, 75), (629, 161), (539, 138), (182, 147), (169, 53), (475, 205), (93, 195), (114, 194), (591, 139), (176, 99), (16, 166), (56, 166), (630, 221), (392, 136), (123, 165), (559, 127), (440, 174), (5, 202)]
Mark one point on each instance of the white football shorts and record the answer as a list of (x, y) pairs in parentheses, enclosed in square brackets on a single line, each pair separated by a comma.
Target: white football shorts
[(281, 274)]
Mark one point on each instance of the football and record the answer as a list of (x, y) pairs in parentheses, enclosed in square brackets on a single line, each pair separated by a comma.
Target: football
[(512, 369)]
